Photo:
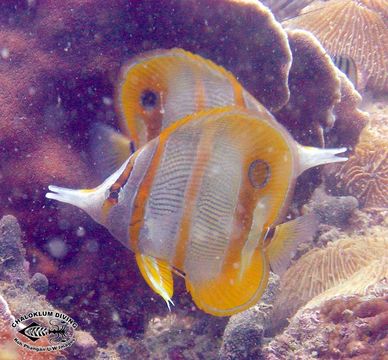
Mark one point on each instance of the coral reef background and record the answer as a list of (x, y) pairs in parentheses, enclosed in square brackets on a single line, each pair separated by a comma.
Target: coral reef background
[(59, 63)]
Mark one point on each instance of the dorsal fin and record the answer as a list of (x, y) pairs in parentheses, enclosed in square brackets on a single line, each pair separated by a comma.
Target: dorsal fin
[(109, 149)]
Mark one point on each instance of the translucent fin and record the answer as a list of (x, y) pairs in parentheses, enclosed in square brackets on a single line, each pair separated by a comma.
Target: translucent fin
[(109, 149), (286, 239), (310, 157), (229, 293), (158, 275)]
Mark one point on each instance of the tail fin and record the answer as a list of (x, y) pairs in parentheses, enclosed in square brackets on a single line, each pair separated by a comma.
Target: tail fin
[(310, 157)]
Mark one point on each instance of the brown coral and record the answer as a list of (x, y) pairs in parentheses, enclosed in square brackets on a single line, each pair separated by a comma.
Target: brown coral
[(365, 174), (342, 328), (322, 269), (310, 108), (354, 29), (323, 106), (350, 119), (365, 323)]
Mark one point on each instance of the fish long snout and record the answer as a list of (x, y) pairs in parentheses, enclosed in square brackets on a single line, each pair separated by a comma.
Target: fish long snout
[(89, 200)]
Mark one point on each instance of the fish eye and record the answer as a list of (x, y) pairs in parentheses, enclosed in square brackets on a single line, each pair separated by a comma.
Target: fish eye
[(149, 99), (114, 195), (259, 173)]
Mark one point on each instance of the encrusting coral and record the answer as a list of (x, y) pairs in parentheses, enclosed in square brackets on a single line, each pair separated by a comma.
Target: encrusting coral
[(244, 333), (322, 269), (365, 174), (16, 295), (332, 210), (341, 328), (355, 29)]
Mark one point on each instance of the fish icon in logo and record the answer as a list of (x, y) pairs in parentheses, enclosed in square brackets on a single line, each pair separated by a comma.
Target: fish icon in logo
[(35, 331)]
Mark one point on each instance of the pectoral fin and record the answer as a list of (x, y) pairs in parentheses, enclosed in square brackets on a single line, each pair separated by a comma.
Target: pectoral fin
[(157, 273), (230, 293), (286, 239), (109, 149)]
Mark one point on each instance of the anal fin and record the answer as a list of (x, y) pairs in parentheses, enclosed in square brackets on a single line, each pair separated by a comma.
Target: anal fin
[(230, 293), (286, 239), (158, 275)]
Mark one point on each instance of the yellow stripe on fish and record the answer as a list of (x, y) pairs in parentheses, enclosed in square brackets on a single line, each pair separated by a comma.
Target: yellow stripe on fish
[(159, 87), (200, 198), (156, 89)]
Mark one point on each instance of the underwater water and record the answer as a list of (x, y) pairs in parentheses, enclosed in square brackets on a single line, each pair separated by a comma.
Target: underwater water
[(235, 160)]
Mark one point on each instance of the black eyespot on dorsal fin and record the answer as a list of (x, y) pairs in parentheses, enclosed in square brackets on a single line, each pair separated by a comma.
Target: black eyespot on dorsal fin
[(259, 173)]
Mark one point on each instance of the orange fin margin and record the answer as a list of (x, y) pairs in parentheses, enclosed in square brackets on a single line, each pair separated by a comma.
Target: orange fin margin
[(231, 293)]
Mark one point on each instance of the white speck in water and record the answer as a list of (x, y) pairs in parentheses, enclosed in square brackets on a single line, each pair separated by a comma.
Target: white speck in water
[(57, 248), (80, 231), (107, 101), (68, 46), (115, 316), (4, 53)]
